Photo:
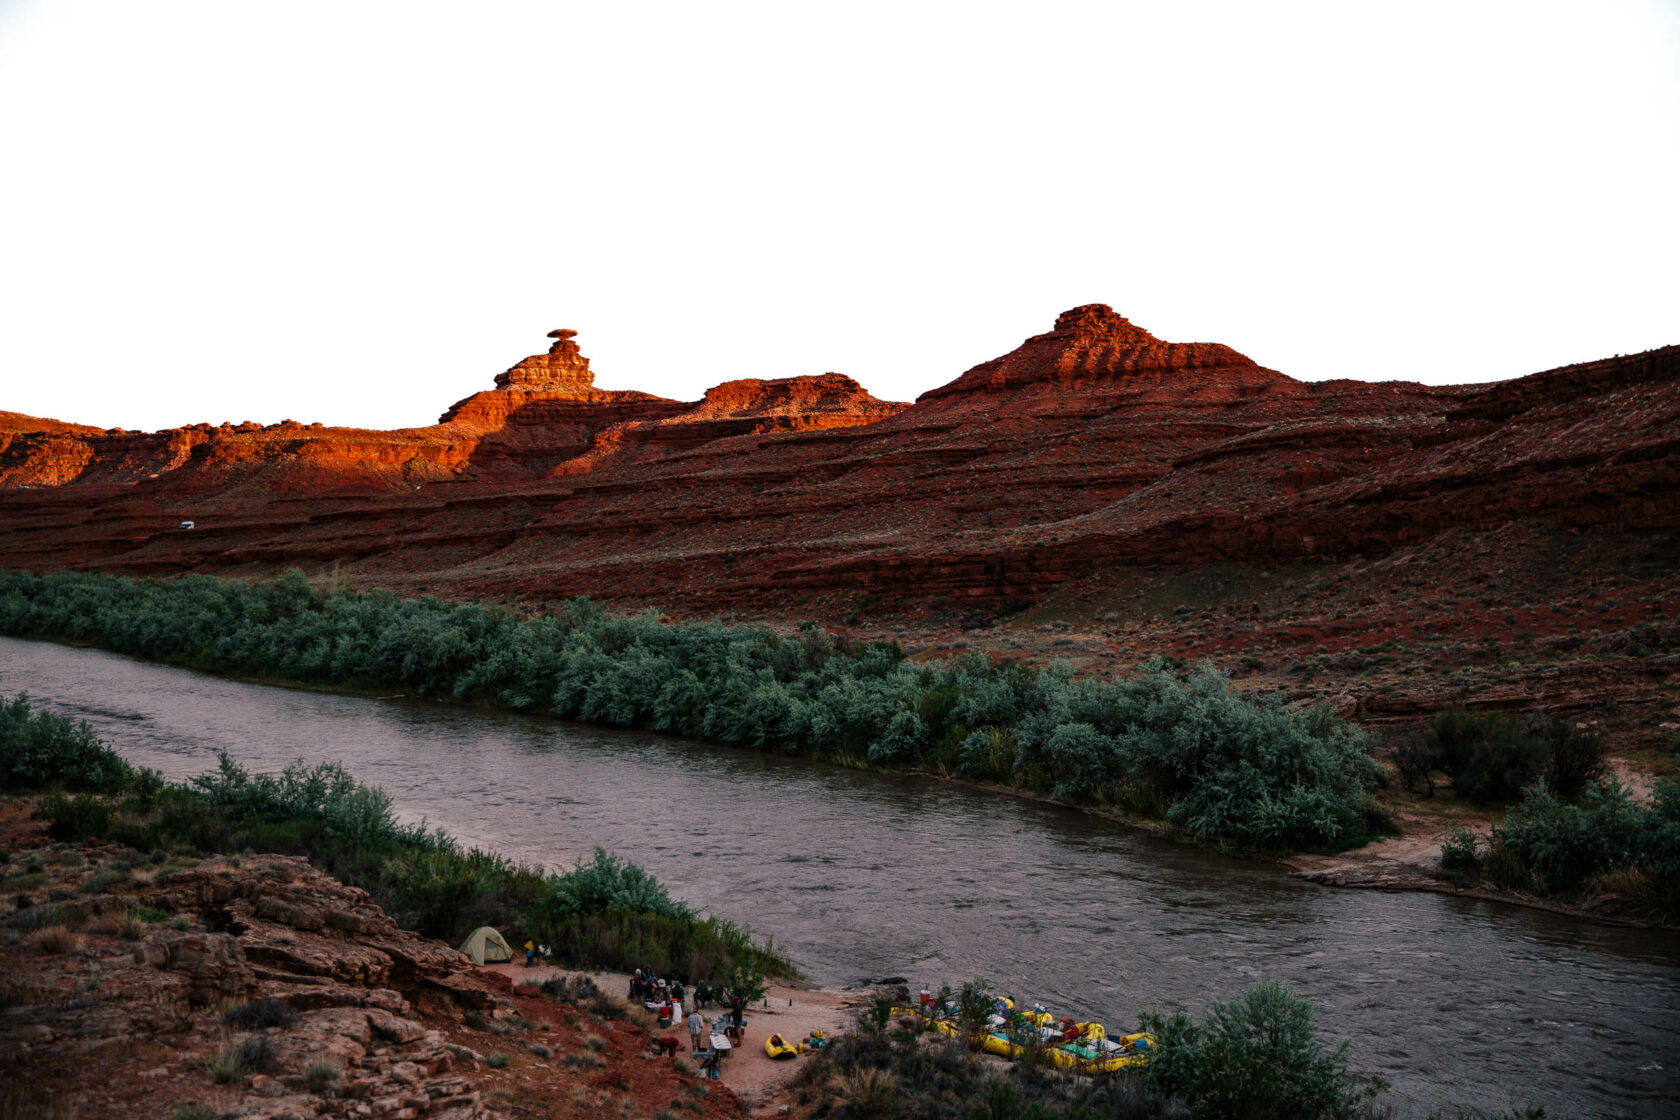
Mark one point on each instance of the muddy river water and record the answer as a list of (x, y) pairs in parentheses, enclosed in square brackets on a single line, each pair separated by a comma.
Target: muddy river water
[(1454, 1001)]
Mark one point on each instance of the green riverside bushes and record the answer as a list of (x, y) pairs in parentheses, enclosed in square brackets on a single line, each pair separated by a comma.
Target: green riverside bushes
[(606, 913), (1163, 742), (39, 748), (1604, 850), (1492, 757), (1257, 1057)]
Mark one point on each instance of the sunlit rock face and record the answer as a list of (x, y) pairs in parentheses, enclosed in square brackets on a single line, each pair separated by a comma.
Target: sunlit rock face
[(1092, 448)]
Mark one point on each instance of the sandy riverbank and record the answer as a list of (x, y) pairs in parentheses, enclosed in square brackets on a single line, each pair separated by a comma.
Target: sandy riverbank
[(790, 1012)]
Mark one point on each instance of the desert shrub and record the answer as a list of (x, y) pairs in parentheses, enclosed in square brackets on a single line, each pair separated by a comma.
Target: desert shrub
[(1575, 757), (40, 917), (54, 939), (143, 788), (583, 1061), (225, 1067), (1549, 846), (258, 1054), (496, 1060), (321, 1076), (609, 883), (1257, 1057), (101, 881), (1493, 757), (255, 1054), (38, 749), (259, 1013), (1459, 856), (75, 818), (1416, 760), (1253, 771), (670, 944), (1489, 756), (569, 989)]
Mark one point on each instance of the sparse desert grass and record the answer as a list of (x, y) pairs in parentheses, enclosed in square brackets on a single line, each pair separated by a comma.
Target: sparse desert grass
[(255, 1054), (584, 1061), (54, 939), (321, 1076), (101, 882)]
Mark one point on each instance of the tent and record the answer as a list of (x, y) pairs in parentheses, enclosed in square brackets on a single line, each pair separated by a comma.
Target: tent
[(485, 946)]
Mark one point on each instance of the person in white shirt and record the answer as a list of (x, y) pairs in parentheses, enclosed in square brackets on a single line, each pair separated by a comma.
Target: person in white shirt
[(696, 1027)]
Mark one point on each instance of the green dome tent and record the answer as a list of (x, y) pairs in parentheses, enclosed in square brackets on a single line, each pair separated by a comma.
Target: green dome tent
[(485, 946)]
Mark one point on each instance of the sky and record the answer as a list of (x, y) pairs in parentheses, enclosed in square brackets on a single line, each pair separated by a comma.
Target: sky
[(358, 213)]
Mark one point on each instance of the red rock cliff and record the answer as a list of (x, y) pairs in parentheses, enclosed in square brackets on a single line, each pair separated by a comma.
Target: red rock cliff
[(1090, 447)]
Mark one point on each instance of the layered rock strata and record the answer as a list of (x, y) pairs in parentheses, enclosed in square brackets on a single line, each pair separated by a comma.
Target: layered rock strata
[(1092, 447)]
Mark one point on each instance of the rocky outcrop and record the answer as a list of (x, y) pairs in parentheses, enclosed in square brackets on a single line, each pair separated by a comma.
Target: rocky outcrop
[(156, 981), (1092, 346), (273, 928), (544, 417), (737, 408), (563, 369)]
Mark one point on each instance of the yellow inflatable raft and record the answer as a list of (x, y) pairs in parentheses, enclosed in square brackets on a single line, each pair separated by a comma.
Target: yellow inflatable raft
[(1091, 1052), (778, 1048), (1001, 1045)]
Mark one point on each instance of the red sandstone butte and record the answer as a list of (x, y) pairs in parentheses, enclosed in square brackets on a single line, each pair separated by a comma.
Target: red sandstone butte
[(1091, 448)]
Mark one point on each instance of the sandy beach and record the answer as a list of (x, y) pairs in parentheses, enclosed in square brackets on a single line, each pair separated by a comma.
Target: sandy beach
[(752, 1074)]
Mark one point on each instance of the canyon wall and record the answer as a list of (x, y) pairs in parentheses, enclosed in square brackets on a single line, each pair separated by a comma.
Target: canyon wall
[(1091, 446)]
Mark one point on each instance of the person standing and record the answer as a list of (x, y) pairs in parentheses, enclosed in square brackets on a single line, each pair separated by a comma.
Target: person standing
[(696, 1026), (739, 1007)]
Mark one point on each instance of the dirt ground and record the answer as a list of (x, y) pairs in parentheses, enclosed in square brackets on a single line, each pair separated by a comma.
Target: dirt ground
[(790, 1012)]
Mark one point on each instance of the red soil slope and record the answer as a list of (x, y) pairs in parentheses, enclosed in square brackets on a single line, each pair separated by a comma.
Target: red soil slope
[(1092, 447)]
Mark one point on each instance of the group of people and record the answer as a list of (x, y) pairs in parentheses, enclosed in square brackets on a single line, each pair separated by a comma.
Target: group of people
[(644, 985), (670, 999)]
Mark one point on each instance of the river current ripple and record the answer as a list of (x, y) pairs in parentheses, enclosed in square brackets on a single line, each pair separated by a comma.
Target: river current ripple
[(1453, 1001)]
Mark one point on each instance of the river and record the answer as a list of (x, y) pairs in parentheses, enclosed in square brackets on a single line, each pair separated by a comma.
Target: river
[(1454, 1001)]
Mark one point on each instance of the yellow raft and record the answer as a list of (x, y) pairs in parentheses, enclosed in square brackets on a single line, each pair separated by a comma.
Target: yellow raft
[(1132, 1051), (1092, 1051), (778, 1048)]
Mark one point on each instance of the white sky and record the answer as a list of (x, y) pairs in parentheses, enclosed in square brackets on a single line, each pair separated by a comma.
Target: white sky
[(360, 212)]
